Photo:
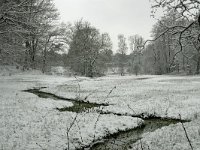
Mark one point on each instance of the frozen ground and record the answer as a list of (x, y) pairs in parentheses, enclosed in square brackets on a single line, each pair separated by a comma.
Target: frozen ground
[(163, 96), (29, 122)]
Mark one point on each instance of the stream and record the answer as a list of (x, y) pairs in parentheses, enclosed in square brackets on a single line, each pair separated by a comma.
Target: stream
[(118, 141), (124, 140), (78, 105)]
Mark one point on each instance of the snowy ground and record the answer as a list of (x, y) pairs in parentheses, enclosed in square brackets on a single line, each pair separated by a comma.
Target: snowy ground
[(164, 96), (29, 122)]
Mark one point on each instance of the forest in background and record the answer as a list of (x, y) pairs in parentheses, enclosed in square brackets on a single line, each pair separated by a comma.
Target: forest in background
[(32, 37)]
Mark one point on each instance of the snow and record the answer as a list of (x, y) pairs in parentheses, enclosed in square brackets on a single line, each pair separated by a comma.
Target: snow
[(30, 122), (51, 104), (171, 138), (164, 96)]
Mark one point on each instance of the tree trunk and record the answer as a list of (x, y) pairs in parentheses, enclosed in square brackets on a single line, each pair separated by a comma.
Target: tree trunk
[(183, 67), (26, 56), (45, 54), (122, 70), (44, 60), (32, 52), (198, 64)]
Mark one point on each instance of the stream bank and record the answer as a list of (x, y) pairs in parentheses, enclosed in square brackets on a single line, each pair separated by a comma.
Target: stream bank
[(121, 140)]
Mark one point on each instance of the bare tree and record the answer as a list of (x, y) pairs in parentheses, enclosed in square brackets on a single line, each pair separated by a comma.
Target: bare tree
[(122, 50), (136, 51), (85, 48), (185, 17), (26, 22)]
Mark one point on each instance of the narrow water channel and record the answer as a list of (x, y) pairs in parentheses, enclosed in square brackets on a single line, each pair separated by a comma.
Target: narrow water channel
[(78, 105), (124, 140), (118, 141)]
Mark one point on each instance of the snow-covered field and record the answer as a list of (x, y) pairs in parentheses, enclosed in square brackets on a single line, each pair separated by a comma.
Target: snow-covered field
[(30, 122)]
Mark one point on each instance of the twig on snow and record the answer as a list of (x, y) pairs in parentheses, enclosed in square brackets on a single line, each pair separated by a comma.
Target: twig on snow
[(101, 110), (141, 144), (68, 129), (186, 134)]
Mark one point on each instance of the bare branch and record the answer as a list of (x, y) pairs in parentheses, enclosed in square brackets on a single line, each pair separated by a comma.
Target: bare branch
[(98, 117), (186, 134)]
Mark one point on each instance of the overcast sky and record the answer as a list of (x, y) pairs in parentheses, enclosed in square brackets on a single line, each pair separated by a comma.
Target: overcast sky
[(128, 17)]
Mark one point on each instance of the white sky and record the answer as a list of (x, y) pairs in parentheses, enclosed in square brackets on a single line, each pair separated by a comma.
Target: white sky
[(128, 17)]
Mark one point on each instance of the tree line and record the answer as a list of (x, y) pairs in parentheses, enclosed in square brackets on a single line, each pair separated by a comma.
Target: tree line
[(176, 38), (175, 44), (32, 37)]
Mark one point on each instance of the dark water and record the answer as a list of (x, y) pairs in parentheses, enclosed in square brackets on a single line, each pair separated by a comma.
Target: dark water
[(119, 141), (123, 140), (78, 105)]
